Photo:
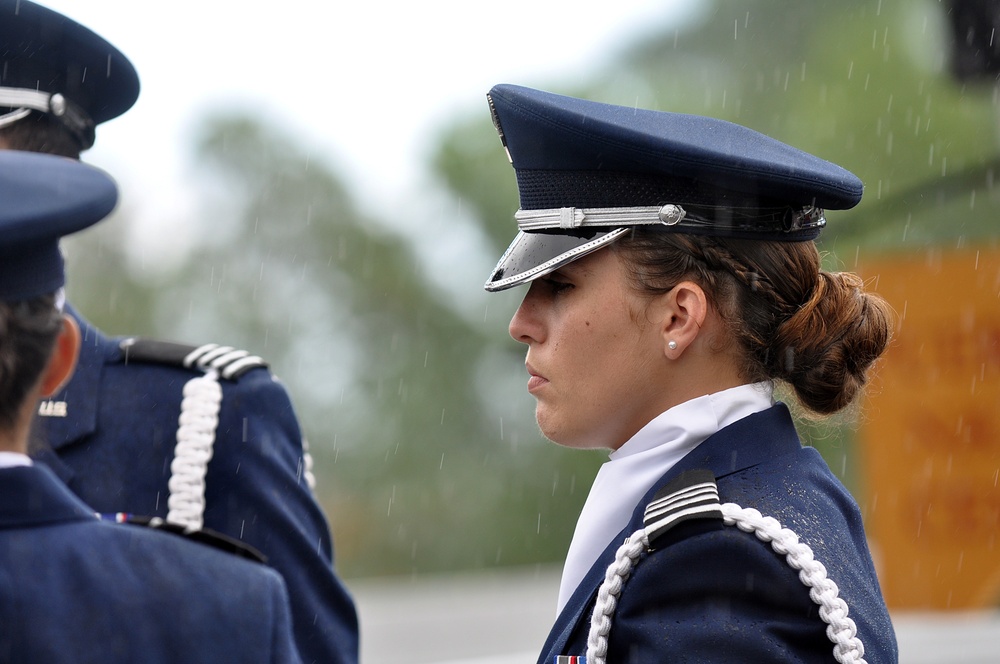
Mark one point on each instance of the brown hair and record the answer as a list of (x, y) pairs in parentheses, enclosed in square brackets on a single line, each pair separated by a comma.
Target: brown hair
[(39, 132), (28, 332), (817, 331)]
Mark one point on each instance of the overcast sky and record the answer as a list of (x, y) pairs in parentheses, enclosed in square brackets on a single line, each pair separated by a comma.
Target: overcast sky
[(365, 83)]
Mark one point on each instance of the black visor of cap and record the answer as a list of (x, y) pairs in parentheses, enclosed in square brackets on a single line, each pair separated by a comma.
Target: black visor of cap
[(536, 253)]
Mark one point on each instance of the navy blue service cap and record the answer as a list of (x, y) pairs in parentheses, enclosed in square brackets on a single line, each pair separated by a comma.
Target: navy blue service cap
[(53, 65), (42, 198), (587, 172)]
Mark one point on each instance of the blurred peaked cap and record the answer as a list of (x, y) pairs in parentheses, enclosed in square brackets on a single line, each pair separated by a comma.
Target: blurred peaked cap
[(588, 171), (43, 198), (42, 50)]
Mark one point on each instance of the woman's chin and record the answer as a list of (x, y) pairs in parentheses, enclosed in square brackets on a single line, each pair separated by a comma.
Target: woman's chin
[(571, 438)]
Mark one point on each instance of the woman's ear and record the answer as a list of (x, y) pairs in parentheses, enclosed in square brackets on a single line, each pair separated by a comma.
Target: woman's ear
[(685, 314), (63, 360)]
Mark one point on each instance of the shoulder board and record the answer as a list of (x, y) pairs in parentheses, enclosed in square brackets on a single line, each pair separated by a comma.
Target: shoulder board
[(691, 495), (207, 536), (230, 362)]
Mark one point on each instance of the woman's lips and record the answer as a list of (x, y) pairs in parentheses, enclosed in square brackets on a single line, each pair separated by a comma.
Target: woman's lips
[(535, 381)]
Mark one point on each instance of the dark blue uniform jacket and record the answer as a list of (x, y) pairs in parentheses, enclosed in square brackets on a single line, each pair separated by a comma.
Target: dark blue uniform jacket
[(78, 590), (114, 445), (709, 592)]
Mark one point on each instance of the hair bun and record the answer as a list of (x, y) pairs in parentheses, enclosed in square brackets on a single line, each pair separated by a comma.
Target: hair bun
[(826, 348)]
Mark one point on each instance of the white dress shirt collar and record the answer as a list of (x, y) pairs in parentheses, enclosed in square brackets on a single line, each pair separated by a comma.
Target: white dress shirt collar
[(12, 459)]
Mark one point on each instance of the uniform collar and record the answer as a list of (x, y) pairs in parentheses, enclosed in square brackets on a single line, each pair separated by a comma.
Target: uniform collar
[(644, 459), (32, 495)]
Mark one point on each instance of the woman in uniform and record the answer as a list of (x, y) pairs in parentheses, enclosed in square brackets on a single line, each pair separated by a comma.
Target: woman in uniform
[(673, 282)]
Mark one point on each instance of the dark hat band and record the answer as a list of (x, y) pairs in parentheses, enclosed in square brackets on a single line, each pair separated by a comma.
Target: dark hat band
[(31, 271), (72, 116), (539, 188)]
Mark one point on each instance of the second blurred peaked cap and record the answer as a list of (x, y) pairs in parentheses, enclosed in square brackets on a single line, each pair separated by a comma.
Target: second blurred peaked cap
[(43, 198), (51, 64)]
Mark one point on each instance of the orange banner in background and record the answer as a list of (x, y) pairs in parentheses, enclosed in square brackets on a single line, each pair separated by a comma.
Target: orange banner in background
[(930, 439)]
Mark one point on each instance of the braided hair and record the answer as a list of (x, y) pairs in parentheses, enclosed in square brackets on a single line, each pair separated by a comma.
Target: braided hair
[(817, 331)]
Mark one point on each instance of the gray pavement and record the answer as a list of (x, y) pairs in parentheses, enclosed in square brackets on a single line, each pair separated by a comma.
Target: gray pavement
[(488, 618), (502, 617)]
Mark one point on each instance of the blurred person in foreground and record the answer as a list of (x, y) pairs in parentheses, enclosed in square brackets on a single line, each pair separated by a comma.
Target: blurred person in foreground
[(75, 588), (673, 281), (200, 436)]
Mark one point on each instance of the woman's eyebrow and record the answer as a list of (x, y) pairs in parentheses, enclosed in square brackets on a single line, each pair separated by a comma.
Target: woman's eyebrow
[(574, 269)]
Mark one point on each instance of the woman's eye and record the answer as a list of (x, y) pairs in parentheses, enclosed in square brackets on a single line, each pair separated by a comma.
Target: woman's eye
[(556, 286)]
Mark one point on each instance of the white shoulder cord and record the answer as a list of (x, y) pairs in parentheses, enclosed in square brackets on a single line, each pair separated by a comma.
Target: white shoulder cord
[(615, 577), (841, 630), (196, 434), (195, 437)]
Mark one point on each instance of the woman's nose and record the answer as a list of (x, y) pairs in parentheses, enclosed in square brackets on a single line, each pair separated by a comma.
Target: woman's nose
[(525, 325)]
